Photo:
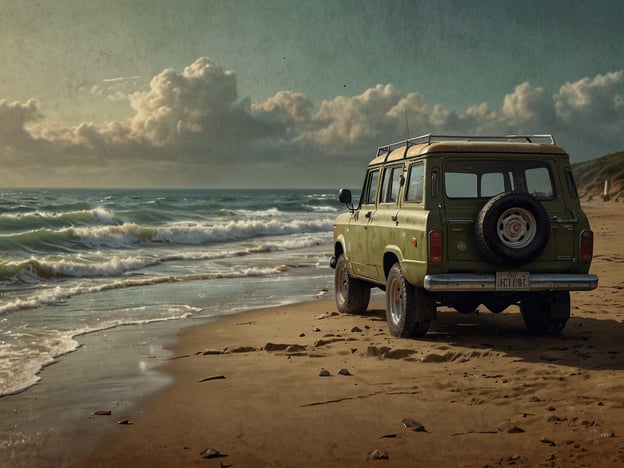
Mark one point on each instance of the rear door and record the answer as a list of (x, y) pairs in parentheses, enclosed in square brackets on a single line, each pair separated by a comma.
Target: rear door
[(383, 222)]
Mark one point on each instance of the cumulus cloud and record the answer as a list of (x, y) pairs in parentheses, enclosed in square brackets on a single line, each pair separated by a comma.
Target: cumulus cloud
[(593, 104), (14, 116), (192, 128), (527, 104)]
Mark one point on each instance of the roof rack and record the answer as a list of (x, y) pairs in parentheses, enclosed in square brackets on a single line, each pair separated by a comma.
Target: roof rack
[(432, 138)]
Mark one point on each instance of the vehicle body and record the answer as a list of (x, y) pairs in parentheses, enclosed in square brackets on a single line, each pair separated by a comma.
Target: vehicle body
[(462, 221)]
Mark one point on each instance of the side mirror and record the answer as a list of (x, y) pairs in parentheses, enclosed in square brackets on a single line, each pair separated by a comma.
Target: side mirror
[(344, 195)]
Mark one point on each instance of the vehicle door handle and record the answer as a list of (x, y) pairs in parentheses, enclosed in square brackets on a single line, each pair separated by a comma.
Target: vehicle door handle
[(368, 215)]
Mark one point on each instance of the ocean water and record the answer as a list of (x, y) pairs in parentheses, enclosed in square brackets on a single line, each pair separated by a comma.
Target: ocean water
[(77, 262)]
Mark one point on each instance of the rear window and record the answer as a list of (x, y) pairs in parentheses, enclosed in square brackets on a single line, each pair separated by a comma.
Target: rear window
[(486, 178)]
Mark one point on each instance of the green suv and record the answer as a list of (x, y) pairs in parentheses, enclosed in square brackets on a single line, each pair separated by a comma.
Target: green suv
[(461, 221)]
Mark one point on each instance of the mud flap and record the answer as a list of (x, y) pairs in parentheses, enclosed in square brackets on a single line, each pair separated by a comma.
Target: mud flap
[(427, 310), (560, 306)]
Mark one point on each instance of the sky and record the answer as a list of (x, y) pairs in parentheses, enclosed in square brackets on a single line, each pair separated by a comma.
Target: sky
[(292, 93)]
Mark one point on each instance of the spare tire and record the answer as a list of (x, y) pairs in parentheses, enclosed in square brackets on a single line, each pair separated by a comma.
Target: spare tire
[(512, 229)]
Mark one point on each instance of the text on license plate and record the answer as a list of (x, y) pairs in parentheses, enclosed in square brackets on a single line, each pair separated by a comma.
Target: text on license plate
[(513, 281)]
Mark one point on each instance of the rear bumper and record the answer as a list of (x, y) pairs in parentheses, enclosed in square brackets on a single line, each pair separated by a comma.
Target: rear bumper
[(486, 282)]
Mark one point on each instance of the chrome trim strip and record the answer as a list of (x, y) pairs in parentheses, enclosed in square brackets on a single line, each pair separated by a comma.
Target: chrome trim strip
[(486, 282)]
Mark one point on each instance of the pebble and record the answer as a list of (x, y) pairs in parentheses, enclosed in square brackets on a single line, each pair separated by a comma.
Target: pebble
[(324, 373), (124, 422), (356, 330), (344, 372), (546, 440), (510, 427), (102, 413), (413, 425), (377, 455), (606, 435), (210, 453), (212, 377)]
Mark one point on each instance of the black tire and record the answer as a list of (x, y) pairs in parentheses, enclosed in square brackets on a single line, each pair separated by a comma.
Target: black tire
[(352, 294), (512, 229), (538, 312), (466, 307), (405, 304)]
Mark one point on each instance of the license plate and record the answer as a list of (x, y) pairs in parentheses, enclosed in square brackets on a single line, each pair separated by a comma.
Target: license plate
[(513, 281)]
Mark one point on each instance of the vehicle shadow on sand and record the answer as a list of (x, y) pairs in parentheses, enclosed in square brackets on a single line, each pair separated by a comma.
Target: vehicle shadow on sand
[(586, 343)]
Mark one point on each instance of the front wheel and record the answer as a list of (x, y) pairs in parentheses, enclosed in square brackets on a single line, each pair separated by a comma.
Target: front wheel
[(546, 314), (352, 294), (406, 306)]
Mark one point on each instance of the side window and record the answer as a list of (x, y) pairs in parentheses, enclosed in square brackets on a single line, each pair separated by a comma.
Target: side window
[(370, 188), (571, 184), (538, 182), (461, 184), (415, 183), (391, 184)]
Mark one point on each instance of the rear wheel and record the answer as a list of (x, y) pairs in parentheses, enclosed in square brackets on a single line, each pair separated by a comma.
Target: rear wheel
[(406, 306), (352, 294), (546, 313)]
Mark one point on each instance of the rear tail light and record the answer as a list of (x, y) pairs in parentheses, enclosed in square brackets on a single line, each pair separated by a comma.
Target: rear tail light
[(587, 246), (435, 247)]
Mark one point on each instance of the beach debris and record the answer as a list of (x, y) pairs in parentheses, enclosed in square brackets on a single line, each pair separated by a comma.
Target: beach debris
[(320, 343), (211, 453), (239, 349), (327, 315), (275, 346), (124, 422), (377, 455), (208, 352), (178, 357), (324, 373), (345, 372), (212, 377), (415, 426), (295, 348), (510, 427), (102, 413), (547, 441), (607, 435)]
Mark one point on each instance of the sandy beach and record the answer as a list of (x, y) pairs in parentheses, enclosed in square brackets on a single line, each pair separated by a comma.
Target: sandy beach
[(477, 391)]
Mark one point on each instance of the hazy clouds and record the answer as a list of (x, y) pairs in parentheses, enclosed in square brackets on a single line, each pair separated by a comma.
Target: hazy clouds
[(191, 128)]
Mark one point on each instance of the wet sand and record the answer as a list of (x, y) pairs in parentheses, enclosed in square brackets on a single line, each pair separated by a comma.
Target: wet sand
[(477, 391)]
